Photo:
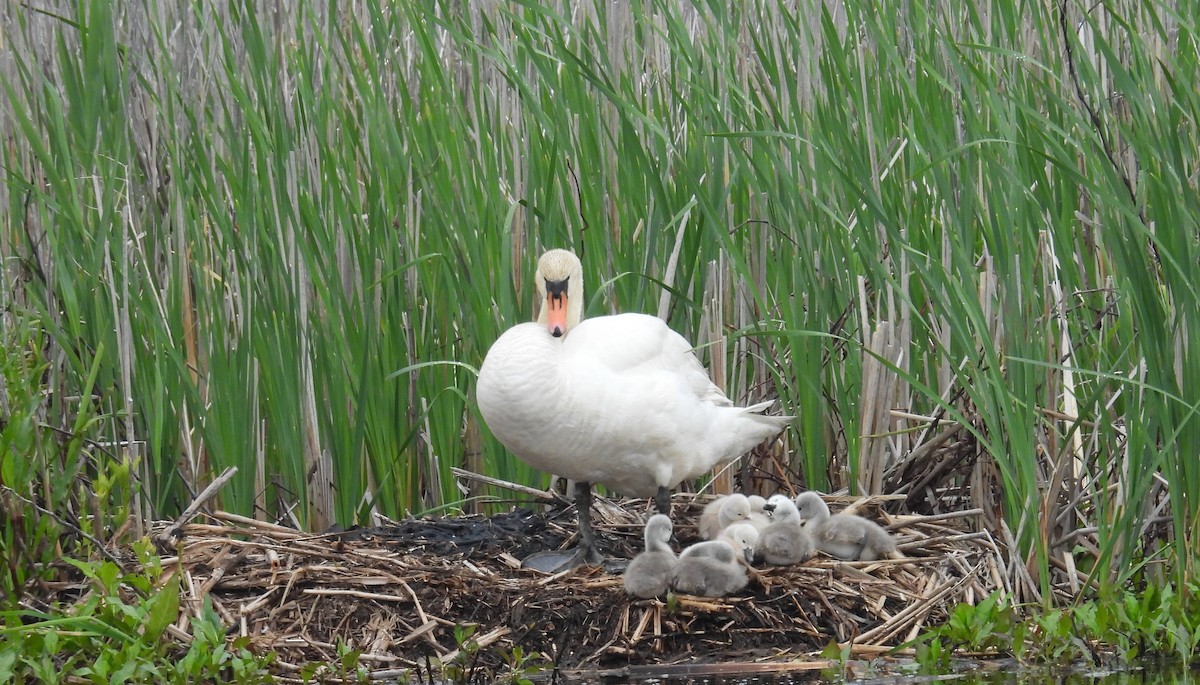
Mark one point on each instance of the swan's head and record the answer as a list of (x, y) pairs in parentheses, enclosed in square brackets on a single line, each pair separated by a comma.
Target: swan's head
[(735, 509), (811, 507), (743, 537), (559, 281), (658, 530), (758, 504)]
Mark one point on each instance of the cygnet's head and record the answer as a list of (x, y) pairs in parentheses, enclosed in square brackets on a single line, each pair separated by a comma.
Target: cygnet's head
[(811, 507), (782, 508), (735, 509), (658, 530), (743, 537)]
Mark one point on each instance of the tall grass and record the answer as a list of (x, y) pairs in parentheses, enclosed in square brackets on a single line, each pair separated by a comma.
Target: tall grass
[(956, 240)]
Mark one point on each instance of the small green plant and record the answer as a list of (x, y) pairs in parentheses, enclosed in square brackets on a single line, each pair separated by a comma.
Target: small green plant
[(460, 668), (116, 633), (522, 666), (1051, 637), (1154, 622), (839, 656), (469, 665), (346, 669), (932, 654), (27, 539), (60, 491), (986, 627), (672, 603), (989, 627)]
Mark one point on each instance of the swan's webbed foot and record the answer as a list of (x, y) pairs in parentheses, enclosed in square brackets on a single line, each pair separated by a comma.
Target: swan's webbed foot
[(614, 566), (584, 554), (557, 560)]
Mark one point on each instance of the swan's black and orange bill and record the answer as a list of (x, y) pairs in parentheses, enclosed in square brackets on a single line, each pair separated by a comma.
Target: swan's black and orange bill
[(556, 307)]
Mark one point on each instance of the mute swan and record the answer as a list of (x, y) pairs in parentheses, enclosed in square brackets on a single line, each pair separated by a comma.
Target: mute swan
[(740, 537), (710, 568), (845, 536), (618, 400), (722, 513), (784, 541), (782, 509), (709, 526), (649, 574), (760, 514), (730, 509)]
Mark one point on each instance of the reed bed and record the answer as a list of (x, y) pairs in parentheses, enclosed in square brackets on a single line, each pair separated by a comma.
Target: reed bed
[(958, 241)]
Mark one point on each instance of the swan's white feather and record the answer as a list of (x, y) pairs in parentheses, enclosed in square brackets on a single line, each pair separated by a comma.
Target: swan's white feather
[(619, 400)]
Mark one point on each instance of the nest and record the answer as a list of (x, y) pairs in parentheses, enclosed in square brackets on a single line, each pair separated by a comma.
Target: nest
[(405, 595)]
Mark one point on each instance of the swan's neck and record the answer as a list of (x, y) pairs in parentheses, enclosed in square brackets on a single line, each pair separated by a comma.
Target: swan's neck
[(787, 512), (819, 511), (656, 543)]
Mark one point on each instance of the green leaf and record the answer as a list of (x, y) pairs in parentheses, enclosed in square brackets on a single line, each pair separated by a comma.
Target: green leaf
[(8, 660), (162, 608)]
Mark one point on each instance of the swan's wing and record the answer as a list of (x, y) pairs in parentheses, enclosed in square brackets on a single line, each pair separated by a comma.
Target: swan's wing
[(621, 400), (642, 344)]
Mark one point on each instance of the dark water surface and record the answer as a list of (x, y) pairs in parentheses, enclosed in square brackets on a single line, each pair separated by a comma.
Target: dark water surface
[(997, 673)]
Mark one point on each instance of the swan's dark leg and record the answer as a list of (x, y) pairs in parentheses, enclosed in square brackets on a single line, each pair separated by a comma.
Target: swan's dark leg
[(587, 538), (662, 500), (586, 552)]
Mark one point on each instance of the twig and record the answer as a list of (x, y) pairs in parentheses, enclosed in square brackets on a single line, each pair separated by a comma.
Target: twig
[(170, 535), (359, 594), (543, 496), (261, 526), (899, 620), (906, 521), (924, 542)]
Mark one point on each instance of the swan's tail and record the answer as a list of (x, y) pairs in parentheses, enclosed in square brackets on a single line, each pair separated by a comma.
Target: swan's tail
[(774, 423), (739, 429)]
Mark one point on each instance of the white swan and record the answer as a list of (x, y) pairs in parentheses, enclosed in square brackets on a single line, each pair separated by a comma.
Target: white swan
[(845, 536), (784, 541), (649, 574), (618, 400)]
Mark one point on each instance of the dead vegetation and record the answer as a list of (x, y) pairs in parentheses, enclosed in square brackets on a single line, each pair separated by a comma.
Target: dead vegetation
[(397, 593)]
